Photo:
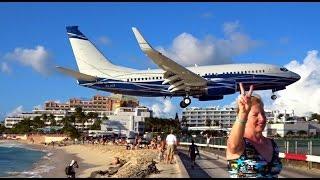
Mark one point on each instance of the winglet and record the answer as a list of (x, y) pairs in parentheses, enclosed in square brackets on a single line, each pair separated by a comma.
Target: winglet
[(144, 45)]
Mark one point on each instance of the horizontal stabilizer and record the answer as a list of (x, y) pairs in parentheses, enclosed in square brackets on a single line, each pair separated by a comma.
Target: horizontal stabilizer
[(79, 76)]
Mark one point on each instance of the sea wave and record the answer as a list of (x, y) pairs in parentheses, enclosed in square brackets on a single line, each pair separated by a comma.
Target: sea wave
[(12, 145), (34, 173)]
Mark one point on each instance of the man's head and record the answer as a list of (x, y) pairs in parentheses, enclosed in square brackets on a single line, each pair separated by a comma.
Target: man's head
[(171, 131)]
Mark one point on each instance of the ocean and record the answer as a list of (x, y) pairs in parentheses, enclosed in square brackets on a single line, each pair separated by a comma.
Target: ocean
[(17, 160)]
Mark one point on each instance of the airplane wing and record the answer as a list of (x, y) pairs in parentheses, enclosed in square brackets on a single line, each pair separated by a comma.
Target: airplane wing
[(76, 74), (179, 77)]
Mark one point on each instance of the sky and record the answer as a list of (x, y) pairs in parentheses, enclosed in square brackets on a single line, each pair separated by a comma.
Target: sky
[(34, 41)]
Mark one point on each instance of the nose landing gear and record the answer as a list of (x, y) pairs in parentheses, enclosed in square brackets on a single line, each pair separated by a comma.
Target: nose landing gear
[(185, 102)]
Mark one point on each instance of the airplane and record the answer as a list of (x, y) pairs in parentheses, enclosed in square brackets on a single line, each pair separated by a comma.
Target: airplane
[(205, 83)]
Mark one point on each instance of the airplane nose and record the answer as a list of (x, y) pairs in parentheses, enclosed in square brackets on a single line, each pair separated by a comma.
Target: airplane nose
[(296, 76)]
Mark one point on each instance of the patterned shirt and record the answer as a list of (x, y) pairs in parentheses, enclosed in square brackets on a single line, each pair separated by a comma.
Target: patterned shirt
[(252, 165)]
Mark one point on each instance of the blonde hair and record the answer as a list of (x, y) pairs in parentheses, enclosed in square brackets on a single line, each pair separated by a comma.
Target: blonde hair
[(255, 99)]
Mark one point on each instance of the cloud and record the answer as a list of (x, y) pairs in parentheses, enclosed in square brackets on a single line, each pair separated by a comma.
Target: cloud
[(230, 27), (16, 111), (189, 50), (104, 40), (38, 58), (5, 68), (162, 107), (38, 107)]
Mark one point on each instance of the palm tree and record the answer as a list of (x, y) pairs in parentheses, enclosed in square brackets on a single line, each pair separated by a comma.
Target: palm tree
[(96, 125), (183, 121), (80, 116), (37, 122), (93, 116), (52, 120), (44, 117)]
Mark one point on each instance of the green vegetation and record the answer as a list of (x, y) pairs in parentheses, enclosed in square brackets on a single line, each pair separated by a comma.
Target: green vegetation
[(69, 123), (154, 124), (315, 116)]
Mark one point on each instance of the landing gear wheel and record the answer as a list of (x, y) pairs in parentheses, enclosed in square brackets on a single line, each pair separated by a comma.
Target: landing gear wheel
[(187, 100), (183, 105), (274, 97)]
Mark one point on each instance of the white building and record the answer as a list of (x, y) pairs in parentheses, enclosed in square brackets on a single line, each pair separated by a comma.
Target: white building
[(283, 128), (12, 120), (127, 120), (196, 117), (58, 115)]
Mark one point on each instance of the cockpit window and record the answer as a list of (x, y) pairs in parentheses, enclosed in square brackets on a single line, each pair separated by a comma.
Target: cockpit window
[(283, 69)]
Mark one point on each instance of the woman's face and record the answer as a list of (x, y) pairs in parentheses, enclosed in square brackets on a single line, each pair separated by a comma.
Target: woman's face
[(256, 118)]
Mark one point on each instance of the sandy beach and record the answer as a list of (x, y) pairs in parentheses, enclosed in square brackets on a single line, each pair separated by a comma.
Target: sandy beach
[(93, 158)]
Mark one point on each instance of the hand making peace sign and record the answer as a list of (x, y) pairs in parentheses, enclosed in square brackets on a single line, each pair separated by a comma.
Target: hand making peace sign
[(244, 101)]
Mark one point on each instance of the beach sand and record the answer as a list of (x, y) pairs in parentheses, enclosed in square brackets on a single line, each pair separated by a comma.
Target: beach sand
[(92, 158)]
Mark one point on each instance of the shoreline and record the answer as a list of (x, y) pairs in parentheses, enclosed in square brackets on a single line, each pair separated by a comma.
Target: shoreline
[(50, 165), (90, 158)]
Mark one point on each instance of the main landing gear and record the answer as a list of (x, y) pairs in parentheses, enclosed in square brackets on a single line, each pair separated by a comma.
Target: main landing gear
[(185, 102), (273, 96)]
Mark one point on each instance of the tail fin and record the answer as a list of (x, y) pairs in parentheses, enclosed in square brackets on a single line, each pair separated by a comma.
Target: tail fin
[(89, 59)]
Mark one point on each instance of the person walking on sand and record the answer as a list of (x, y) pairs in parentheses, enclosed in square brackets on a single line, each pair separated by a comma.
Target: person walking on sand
[(70, 169), (171, 142)]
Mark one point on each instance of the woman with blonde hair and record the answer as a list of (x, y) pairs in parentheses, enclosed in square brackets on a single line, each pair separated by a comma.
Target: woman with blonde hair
[(249, 153)]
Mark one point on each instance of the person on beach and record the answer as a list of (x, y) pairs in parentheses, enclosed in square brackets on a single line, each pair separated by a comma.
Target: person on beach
[(249, 153), (171, 142), (193, 149), (161, 150), (70, 170)]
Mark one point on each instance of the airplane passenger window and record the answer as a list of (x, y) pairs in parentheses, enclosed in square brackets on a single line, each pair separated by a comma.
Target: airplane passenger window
[(138, 79), (245, 72), (152, 77), (146, 78), (262, 70), (259, 71), (131, 79), (135, 79), (241, 72), (127, 80), (256, 71), (156, 77)]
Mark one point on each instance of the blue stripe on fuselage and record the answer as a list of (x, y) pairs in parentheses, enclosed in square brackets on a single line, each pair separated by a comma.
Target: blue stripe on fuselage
[(155, 88)]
